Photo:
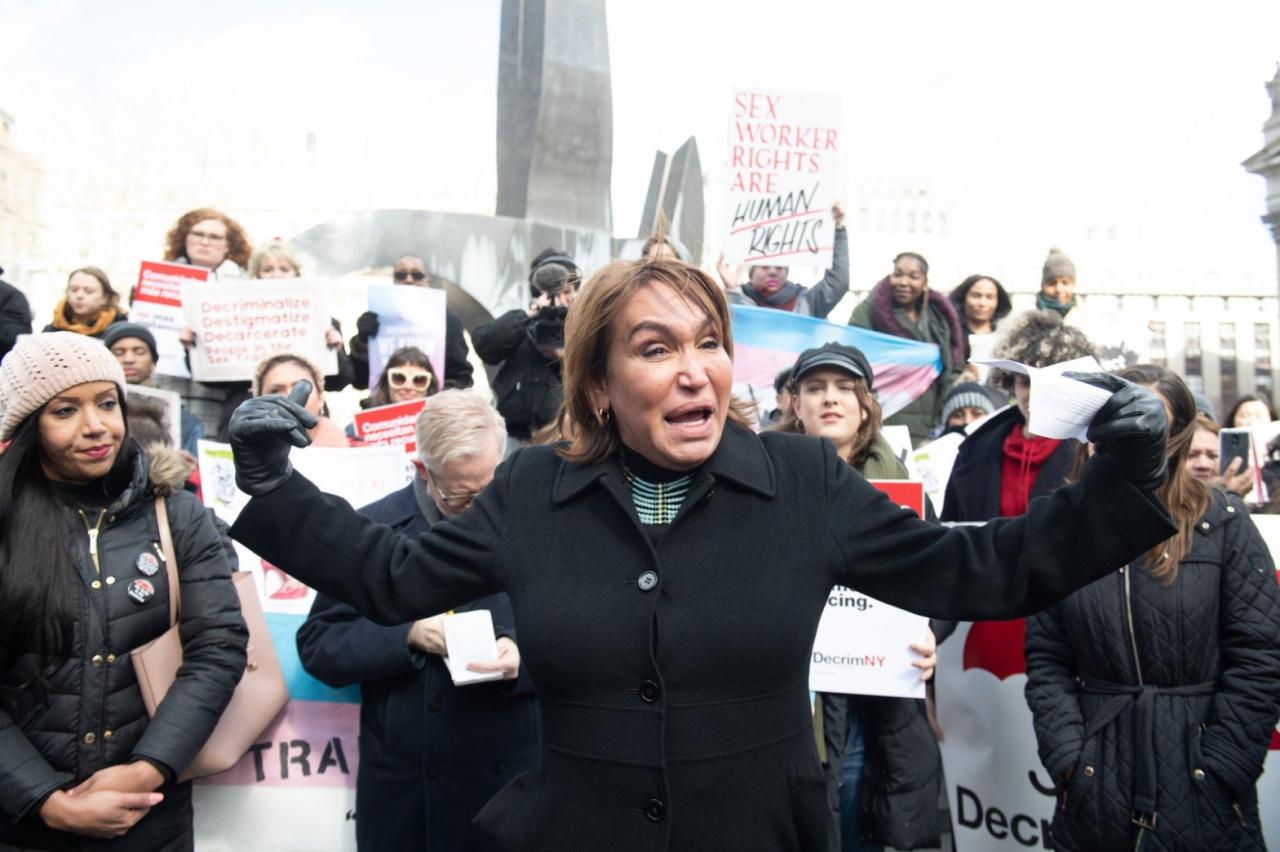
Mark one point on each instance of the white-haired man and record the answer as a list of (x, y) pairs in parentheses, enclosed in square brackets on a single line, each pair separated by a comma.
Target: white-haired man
[(431, 753)]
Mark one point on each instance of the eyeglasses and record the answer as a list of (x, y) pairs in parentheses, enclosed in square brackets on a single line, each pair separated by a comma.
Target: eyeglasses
[(398, 378), (452, 500), (204, 237), (415, 275)]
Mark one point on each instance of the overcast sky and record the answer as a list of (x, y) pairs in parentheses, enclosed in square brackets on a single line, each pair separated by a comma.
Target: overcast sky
[(1032, 123)]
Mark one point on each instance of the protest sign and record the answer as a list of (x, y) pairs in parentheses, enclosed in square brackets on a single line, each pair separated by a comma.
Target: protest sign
[(784, 175), (767, 341), (862, 645), (157, 304), (407, 316), (237, 325), (295, 789), (172, 403), (392, 425), (1001, 796)]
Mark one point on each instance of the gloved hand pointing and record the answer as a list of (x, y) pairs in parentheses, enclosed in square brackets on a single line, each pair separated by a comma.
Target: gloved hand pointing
[(262, 431), (1131, 429)]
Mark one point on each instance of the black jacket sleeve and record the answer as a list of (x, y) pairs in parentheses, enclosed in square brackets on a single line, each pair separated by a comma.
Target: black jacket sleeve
[(15, 316), (496, 341), (213, 642), (1007, 568), (457, 365), (388, 577), (359, 357), (1246, 704), (26, 778), (1052, 695), (346, 371), (338, 647)]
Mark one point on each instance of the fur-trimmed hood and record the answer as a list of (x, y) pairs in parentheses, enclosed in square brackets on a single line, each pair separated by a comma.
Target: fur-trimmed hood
[(169, 469)]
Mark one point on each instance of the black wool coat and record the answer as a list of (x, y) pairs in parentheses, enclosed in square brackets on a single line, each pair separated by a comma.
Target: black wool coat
[(431, 753), (973, 491), (672, 671), (1183, 708), (91, 715), (15, 316)]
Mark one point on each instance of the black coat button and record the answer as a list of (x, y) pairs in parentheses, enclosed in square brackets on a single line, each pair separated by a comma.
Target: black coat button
[(649, 692), (433, 705), (500, 766), (655, 810), (647, 581), (434, 771)]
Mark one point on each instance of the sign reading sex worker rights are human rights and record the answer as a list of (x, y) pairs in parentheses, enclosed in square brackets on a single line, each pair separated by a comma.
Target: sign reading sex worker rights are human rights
[(784, 175), (239, 324), (863, 645)]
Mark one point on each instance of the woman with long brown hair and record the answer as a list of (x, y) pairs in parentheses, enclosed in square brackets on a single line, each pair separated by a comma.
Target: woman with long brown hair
[(666, 621), (1155, 689)]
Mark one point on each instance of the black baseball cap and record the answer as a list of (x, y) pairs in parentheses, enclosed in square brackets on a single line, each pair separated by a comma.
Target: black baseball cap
[(838, 355)]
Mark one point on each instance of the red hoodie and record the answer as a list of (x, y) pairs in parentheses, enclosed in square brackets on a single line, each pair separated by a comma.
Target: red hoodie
[(1023, 458)]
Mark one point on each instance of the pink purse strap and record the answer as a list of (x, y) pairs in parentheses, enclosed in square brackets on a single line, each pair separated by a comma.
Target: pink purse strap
[(170, 561)]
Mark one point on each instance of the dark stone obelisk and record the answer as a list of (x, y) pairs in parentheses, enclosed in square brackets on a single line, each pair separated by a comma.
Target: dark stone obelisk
[(555, 114)]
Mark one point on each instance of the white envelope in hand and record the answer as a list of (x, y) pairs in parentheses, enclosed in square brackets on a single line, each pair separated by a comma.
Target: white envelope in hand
[(469, 638)]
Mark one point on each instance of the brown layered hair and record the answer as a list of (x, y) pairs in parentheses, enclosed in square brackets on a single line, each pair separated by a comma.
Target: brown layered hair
[(239, 248), (1186, 497), (868, 429), (588, 338)]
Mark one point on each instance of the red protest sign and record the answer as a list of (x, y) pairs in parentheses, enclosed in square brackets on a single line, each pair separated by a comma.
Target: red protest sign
[(390, 425), (904, 492), (161, 283)]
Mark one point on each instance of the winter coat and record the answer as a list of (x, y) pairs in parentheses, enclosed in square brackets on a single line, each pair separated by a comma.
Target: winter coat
[(527, 387), (1159, 700), (818, 300), (92, 715), (15, 316), (902, 774), (672, 666), (938, 324), (457, 366), (431, 754), (973, 491)]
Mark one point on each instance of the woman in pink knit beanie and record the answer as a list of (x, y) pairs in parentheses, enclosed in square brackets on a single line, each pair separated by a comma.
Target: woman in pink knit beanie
[(82, 583)]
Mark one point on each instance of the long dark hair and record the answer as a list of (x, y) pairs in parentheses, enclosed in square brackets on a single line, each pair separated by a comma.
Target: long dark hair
[(1186, 497), (37, 577), (1003, 304)]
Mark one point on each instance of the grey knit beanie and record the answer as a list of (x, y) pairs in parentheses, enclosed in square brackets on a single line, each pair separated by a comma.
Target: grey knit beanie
[(41, 366), (966, 395), (1057, 265)]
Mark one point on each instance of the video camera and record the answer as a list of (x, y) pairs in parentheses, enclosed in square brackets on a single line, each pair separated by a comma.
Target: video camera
[(550, 276)]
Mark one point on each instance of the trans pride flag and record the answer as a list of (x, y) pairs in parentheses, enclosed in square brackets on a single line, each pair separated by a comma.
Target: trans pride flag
[(766, 341)]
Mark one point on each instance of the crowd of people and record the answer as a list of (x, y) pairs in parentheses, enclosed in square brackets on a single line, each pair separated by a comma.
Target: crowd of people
[(652, 626)]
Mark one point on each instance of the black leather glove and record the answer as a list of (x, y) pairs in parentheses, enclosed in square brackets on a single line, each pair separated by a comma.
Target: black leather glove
[(1131, 429), (367, 326), (262, 431)]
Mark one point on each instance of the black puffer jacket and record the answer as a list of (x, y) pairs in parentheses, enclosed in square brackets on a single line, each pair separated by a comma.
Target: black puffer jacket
[(92, 714), (1181, 732)]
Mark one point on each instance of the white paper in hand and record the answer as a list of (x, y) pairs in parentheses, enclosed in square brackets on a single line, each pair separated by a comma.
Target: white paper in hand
[(1059, 407), (469, 638)]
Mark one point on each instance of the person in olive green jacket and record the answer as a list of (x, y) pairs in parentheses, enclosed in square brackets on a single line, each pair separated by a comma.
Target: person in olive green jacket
[(903, 305)]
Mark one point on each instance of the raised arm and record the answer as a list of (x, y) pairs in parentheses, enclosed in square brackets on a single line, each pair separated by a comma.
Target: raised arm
[(318, 538), (1012, 566)]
